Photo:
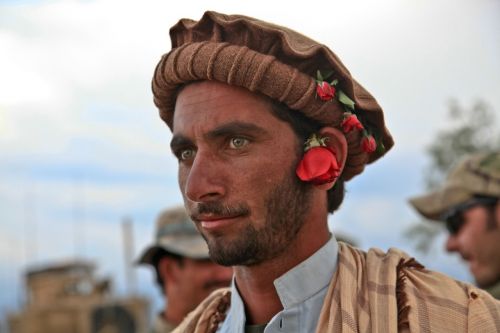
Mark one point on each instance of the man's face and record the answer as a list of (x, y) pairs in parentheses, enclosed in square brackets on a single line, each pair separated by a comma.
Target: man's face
[(236, 172), (196, 279), (479, 244)]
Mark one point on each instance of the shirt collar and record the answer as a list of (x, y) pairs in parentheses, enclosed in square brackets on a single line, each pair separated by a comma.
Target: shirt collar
[(295, 286), (308, 277), (236, 316)]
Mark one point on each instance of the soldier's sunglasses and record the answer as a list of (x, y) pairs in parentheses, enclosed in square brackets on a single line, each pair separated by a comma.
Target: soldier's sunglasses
[(455, 222), (454, 217)]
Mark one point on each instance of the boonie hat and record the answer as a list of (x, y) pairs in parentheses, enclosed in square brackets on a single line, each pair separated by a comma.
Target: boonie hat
[(475, 175), (176, 234)]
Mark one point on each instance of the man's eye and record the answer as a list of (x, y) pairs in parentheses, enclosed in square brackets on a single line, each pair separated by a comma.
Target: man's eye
[(237, 143), (186, 154)]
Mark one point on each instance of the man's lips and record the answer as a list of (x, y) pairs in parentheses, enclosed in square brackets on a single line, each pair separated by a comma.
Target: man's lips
[(215, 221), (465, 256)]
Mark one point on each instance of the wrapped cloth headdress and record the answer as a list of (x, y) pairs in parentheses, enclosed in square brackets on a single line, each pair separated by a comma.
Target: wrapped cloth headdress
[(271, 60)]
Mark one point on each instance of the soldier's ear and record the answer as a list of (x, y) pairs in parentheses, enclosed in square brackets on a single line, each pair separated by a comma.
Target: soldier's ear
[(337, 142), (496, 214), (168, 268)]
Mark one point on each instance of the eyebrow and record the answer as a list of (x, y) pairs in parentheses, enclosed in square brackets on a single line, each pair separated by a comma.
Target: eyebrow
[(179, 141), (235, 128)]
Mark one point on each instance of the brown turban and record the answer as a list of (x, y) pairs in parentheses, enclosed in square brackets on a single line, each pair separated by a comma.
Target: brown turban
[(271, 60)]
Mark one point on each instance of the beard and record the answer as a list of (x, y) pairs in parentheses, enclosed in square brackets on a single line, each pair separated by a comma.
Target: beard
[(287, 206)]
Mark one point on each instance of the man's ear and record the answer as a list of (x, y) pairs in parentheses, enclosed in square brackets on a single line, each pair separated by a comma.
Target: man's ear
[(336, 142), (168, 268), (496, 214)]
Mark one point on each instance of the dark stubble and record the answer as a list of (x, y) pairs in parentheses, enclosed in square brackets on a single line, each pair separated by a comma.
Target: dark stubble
[(287, 206)]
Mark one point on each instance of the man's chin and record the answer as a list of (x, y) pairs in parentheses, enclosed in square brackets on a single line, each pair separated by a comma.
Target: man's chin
[(227, 253), (483, 279)]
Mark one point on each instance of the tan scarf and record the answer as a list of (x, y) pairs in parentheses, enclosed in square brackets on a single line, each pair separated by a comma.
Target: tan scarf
[(380, 292)]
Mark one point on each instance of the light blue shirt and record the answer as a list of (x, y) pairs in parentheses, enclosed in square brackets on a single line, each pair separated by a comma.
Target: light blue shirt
[(301, 291)]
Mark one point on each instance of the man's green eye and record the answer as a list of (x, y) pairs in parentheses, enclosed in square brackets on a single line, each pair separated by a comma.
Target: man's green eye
[(237, 143), (186, 154)]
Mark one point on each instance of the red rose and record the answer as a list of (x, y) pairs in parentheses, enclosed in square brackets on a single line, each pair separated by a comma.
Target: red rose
[(351, 122), (318, 166), (368, 144), (325, 91)]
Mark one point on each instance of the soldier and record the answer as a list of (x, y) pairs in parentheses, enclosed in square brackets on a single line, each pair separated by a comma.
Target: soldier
[(183, 269), (267, 127), (468, 204)]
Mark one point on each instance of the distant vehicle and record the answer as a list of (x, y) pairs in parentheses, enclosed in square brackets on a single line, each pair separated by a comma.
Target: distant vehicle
[(67, 298)]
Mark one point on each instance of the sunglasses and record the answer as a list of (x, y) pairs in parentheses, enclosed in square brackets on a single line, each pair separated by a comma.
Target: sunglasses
[(454, 223), (454, 217)]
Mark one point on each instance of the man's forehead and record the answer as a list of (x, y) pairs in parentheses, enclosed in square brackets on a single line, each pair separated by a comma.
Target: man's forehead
[(216, 102)]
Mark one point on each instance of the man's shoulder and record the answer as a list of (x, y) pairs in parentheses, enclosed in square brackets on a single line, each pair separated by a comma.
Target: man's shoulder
[(494, 290), (161, 325), (433, 296), (207, 316), (454, 301)]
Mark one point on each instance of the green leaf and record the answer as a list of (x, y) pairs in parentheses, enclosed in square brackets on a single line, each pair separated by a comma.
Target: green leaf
[(380, 147), (344, 99), (318, 74), (328, 74), (334, 82)]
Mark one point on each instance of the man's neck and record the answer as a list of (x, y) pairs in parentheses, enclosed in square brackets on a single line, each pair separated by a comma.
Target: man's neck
[(175, 310), (171, 316), (256, 283), (494, 290)]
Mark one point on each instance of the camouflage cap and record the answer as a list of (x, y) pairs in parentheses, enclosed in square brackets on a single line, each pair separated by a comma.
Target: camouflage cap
[(475, 175), (176, 234)]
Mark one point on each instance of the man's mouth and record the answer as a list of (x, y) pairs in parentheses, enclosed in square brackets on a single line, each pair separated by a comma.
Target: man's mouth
[(211, 221), (471, 262), (466, 257), (215, 215)]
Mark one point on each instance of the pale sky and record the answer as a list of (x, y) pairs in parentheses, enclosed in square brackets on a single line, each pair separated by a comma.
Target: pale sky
[(82, 146)]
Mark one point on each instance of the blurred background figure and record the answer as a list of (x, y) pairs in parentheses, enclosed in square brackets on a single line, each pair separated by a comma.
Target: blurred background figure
[(342, 237), (184, 272), (67, 296), (468, 203)]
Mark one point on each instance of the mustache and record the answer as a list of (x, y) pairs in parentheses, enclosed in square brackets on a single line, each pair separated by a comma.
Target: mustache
[(219, 209)]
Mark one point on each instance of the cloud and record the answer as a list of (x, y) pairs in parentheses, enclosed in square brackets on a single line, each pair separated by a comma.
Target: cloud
[(79, 133)]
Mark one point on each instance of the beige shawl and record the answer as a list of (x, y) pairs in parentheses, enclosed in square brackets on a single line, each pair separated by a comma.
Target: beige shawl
[(162, 325), (381, 292)]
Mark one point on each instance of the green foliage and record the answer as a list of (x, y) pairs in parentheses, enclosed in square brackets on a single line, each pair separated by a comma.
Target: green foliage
[(470, 130), (344, 99), (423, 234)]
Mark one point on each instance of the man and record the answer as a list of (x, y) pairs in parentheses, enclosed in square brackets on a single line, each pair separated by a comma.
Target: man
[(267, 126), (183, 269), (468, 204)]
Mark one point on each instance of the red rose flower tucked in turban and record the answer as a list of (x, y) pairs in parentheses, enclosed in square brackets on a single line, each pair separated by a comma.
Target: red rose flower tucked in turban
[(318, 166), (368, 144), (325, 91), (350, 123)]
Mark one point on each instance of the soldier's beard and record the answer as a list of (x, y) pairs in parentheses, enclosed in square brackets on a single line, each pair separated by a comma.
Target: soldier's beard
[(287, 207)]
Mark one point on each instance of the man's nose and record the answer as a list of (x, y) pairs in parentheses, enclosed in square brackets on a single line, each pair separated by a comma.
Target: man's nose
[(452, 244), (204, 178)]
